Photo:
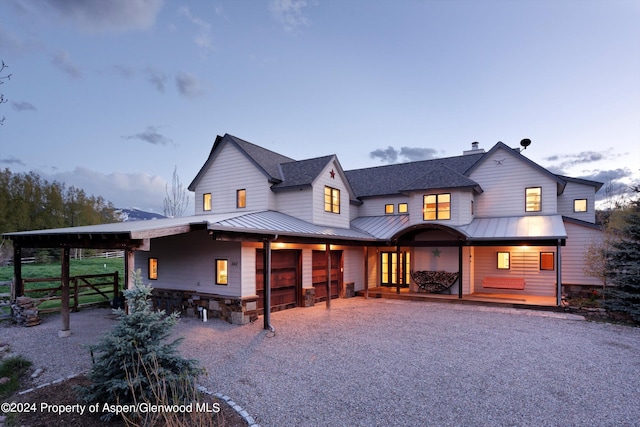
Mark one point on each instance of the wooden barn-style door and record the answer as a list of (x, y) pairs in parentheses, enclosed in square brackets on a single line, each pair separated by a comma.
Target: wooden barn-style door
[(320, 274), (286, 279)]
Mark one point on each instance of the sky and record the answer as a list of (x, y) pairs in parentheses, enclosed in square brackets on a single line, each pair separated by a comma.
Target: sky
[(112, 96)]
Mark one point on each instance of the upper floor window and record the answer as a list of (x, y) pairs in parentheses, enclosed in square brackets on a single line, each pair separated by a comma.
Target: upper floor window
[(580, 205), (241, 198), (331, 200), (403, 207), (533, 199), (206, 202), (388, 208), (437, 206)]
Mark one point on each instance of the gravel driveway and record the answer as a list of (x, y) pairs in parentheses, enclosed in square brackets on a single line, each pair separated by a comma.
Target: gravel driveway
[(383, 362)]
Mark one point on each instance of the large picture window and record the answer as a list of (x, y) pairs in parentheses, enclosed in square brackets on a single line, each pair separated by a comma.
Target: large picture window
[(437, 206), (533, 199), (331, 200)]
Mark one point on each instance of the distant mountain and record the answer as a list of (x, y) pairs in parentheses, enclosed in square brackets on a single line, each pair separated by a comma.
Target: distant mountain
[(134, 214)]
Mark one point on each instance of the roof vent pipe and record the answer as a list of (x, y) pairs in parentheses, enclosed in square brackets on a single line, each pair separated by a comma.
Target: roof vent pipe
[(474, 145)]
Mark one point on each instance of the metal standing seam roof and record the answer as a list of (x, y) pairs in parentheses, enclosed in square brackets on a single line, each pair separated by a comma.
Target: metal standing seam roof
[(381, 227), (533, 227)]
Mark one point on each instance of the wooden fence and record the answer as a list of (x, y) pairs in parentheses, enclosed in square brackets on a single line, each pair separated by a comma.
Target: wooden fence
[(94, 283)]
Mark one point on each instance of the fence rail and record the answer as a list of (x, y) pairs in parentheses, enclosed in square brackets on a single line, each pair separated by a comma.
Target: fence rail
[(106, 255), (77, 287)]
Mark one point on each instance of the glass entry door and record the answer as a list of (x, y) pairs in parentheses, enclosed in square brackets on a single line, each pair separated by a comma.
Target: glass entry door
[(394, 273)]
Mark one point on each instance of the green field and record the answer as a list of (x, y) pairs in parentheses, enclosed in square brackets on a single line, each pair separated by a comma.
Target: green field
[(77, 267)]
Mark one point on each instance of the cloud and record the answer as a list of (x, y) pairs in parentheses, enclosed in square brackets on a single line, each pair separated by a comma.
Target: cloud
[(12, 161), (98, 15), (203, 40), (289, 13), (405, 154), (11, 44), (188, 85), (156, 78), (62, 62), (585, 157), (23, 106), (124, 190), (152, 136)]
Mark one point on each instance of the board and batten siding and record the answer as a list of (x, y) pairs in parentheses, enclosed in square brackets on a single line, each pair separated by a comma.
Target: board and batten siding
[(525, 263), (579, 238), (187, 262), (504, 178), (574, 191), (230, 171), (320, 217)]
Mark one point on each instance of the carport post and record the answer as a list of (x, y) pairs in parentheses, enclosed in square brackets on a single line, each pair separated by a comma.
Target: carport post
[(328, 252), (17, 290), (64, 307), (266, 278), (559, 275)]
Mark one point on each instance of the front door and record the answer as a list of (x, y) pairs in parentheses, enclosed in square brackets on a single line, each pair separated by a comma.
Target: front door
[(392, 272)]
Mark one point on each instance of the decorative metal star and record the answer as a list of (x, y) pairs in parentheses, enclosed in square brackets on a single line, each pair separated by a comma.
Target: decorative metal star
[(436, 253), (333, 174)]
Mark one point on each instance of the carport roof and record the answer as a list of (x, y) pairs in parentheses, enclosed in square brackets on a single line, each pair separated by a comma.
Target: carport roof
[(517, 228)]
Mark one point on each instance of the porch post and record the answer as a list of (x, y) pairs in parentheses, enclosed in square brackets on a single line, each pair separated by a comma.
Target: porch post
[(398, 269), (328, 254), (266, 280), (129, 268), (64, 307), (559, 274), (17, 289), (366, 272), (460, 271)]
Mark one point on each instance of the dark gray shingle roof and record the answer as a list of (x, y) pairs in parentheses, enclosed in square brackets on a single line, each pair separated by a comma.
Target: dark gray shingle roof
[(301, 173)]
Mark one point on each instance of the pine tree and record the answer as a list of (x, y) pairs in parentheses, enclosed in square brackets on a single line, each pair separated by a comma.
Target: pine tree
[(136, 345), (624, 266)]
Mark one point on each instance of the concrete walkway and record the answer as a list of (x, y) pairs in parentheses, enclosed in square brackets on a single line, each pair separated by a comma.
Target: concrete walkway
[(383, 362)]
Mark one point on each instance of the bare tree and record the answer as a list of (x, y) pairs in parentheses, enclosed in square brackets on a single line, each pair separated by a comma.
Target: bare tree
[(2, 78), (177, 200)]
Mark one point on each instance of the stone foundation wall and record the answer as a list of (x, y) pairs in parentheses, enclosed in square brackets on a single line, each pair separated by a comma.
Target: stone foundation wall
[(238, 311)]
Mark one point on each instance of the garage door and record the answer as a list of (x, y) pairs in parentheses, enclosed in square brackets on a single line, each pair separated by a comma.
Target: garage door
[(285, 279), (320, 274)]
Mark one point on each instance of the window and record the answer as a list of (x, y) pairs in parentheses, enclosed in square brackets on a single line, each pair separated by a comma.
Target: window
[(389, 268), (206, 201), (331, 200), (580, 205), (153, 268), (241, 198), (388, 209), (222, 275), (533, 199), (504, 259), (403, 207), (547, 261), (437, 206)]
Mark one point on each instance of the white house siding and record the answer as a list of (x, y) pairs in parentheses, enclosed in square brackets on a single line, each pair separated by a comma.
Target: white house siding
[(187, 262), (525, 263), (248, 265), (374, 206), (321, 217), (353, 262), (578, 240), (373, 255), (504, 179), (231, 171), (296, 203), (574, 191)]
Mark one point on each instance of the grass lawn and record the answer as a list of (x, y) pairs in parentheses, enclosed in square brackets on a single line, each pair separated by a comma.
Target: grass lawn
[(77, 267)]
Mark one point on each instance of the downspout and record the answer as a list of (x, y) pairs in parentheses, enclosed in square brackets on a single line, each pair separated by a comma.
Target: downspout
[(266, 245)]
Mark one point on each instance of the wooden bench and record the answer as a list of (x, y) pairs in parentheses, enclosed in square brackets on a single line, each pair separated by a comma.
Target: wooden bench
[(503, 282)]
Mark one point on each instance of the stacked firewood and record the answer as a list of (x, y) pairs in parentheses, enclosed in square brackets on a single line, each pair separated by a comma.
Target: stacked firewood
[(25, 311)]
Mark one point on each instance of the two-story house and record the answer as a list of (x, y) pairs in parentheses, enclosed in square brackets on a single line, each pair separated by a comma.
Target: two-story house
[(495, 221)]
